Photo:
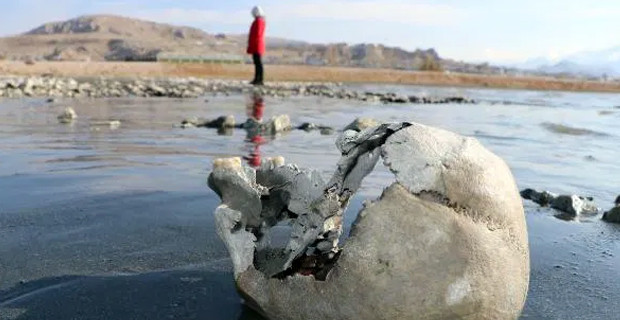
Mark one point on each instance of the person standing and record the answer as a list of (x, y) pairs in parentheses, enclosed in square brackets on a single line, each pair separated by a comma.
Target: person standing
[(256, 44)]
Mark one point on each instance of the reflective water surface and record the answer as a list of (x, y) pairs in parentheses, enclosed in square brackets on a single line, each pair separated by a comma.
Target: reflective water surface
[(106, 222)]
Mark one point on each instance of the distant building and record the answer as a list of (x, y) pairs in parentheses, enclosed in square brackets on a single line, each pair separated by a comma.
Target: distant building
[(212, 58)]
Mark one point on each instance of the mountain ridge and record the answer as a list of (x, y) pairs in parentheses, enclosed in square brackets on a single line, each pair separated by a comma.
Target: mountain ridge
[(118, 38)]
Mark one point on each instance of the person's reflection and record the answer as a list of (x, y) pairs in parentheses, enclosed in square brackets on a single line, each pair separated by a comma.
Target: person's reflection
[(255, 139)]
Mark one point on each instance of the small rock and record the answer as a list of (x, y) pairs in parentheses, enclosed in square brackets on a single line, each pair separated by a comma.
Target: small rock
[(221, 122), (280, 123), (192, 122), (574, 205), (85, 86), (227, 163), (613, 215), (541, 198), (113, 124), (361, 124), (72, 84), (67, 116), (326, 131), (414, 99), (307, 126), (157, 90), (400, 99), (17, 93), (458, 100)]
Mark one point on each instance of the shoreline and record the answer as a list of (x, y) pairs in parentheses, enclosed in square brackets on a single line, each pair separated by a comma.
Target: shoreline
[(298, 73), (52, 87), (132, 201)]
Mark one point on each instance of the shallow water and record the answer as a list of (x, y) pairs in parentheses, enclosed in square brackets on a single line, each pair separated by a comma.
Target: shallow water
[(102, 223)]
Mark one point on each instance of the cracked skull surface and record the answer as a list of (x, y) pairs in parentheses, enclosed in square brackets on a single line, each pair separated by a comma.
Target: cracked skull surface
[(446, 240)]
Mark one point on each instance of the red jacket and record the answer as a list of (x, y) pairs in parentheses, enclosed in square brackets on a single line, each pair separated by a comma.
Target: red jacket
[(257, 111), (256, 42)]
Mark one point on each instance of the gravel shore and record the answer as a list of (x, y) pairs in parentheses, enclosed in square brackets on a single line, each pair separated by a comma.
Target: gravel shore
[(54, 87)]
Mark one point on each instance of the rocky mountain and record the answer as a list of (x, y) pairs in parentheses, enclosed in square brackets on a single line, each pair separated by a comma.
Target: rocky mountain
[(106, 37), (115, 38)]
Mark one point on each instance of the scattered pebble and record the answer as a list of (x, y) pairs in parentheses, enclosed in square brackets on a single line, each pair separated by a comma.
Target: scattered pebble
[(570, 205), (67, 116), (53, 87)]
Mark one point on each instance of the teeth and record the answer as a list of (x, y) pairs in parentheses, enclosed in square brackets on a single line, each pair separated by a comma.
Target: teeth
[(277, 161), (227, 163)]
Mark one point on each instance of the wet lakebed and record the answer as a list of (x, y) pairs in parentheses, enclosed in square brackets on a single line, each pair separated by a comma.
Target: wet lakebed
[(100, 222)]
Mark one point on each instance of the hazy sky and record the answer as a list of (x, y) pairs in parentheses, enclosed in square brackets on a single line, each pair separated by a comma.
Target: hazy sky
[(473, 30)]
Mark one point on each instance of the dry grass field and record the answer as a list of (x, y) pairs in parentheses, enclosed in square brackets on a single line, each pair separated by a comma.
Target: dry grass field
[(300, 73)]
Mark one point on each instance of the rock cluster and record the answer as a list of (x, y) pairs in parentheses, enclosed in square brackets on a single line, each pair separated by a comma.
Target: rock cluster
[(570, 205), (438, 244), (331, 91), (16, 87), (275, 125), (309, 127)]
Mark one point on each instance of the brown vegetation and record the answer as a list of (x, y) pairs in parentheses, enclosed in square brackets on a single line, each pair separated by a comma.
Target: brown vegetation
[(431, 64), (301, 73)]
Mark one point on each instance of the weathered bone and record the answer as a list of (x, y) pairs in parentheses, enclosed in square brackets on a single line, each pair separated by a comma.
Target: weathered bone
[(437, 245), (275, 193)]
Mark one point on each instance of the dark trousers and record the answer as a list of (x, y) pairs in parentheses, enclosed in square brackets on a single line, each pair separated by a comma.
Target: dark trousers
[(258, 69)]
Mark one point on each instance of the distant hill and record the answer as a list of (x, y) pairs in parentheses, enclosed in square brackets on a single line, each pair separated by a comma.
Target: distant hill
[(588, 63), (115, 38)]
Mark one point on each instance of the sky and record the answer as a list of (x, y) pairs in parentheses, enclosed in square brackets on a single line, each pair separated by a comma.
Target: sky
[(498, 31)]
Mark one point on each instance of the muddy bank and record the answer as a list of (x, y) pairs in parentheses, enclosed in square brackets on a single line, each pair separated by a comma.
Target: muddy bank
[(65, 209)]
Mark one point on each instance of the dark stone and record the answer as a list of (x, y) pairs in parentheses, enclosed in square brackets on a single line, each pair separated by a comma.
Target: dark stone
[(612, 215), (222, 122), (307, 126), (326, 131), (542, 198), (570, 205)]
